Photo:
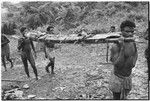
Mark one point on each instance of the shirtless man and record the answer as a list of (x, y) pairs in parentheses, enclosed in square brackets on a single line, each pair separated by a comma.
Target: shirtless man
[(5, 51), (48, 48), (24, 46), (123, 57)]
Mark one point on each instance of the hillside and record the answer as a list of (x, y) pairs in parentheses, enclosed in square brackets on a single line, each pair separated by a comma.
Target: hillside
[(70, 16)]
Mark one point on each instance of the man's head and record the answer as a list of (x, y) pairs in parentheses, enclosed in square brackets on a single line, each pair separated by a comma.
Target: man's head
[(112, 29), (50, 28), (127, 28), (22, 30)]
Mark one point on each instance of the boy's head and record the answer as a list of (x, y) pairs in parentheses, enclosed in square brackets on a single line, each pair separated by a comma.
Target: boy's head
[(112, 29), (127, 28), (50, 28), (22, 30)]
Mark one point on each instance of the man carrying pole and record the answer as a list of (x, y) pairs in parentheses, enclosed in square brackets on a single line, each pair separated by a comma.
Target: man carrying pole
[(123, 57), (24, 46), (48, 48)]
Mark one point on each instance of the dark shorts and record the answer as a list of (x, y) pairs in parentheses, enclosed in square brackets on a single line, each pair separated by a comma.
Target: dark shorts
[(50, 52), (5, 50)]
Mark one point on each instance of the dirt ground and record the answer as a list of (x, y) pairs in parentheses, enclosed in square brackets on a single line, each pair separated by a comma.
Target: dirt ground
[(81, 72)]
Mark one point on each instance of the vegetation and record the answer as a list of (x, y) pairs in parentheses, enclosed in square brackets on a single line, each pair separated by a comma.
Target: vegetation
[(68, 16)]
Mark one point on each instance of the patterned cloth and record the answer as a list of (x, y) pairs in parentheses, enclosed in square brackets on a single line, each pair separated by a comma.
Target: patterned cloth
[(120, 84)]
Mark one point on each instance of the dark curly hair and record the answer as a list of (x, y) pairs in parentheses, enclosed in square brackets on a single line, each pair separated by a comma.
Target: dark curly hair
[(112, 27), (22, 29), (49, 27), (127, 23)]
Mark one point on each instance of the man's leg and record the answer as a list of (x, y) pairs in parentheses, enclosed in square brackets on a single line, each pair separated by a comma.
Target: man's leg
[(25, 63), (51, 63), (4, 63), (116, 96), (148, 62), (44, 49), (32, 62), (48, 65)]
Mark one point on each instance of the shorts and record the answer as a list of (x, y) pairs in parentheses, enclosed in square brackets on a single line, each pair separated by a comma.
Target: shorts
[(5, 50), (50, 52)]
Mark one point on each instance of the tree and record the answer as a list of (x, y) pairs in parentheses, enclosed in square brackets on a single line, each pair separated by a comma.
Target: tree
[(36, 16), (8, 28)]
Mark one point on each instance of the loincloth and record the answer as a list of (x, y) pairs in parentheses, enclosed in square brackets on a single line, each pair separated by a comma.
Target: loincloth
[(120, 84)]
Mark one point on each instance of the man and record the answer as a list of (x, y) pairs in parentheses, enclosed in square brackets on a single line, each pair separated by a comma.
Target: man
[(112, 29), (24, 46), (123, 57), (146, 53), (48, 48), (146, 38), (5, 51)]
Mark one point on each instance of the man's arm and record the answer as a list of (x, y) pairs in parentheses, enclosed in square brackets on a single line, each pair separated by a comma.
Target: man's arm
[(32, 46), (117, 57), (44, 49), (131, 61), (20, 43), (146, 35)]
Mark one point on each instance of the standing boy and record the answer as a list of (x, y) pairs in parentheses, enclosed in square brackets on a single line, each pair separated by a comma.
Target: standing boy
[(123, 57), (24, 46), (48, 48)]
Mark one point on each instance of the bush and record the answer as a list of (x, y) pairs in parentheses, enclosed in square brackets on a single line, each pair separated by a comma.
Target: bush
[(9, 28)]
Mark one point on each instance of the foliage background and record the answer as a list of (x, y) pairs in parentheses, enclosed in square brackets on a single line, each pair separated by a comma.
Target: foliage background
[(70, 16), (80, 71)]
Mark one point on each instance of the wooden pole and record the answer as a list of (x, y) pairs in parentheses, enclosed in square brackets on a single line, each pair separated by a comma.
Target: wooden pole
[(107, 51)]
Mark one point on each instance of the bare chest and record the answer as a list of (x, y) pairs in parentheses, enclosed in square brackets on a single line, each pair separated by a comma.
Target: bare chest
[(129, 49)]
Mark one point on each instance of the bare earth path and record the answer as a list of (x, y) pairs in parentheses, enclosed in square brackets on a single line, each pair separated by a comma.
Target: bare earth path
[(81, 72)]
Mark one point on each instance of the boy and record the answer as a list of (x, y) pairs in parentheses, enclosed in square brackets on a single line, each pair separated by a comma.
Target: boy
[(48, 48), (123, 57), (24, 46)]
